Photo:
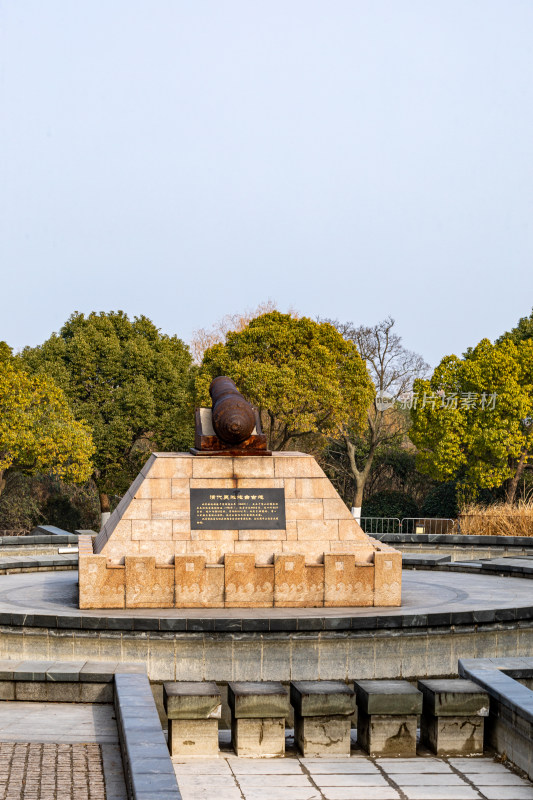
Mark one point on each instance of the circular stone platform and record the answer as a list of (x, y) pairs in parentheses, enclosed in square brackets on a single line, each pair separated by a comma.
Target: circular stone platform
[(443, 617)]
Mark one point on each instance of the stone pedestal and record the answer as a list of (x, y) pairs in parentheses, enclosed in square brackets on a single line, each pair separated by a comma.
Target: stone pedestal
[(322, 717), (196, 531), (193, 710), (258, 713), (453, 716), (386, 717)]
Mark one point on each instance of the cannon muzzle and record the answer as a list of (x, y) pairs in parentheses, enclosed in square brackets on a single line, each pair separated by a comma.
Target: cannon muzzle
[(233, 416)]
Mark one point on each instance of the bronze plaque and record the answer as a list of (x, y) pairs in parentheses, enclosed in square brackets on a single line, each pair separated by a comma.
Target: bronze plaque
[(237, 509)]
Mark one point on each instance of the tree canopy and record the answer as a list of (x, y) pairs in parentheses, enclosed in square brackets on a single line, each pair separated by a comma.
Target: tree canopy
[(303, 376), (522, 331), (473, 419), (38, 432), (131, 383)]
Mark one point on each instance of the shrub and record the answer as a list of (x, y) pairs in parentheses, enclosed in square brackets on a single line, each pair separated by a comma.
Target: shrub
[(441, 502), (390, 504)]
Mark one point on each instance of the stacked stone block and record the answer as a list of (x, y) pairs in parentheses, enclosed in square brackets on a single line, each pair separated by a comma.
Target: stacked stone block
[(148, 556)]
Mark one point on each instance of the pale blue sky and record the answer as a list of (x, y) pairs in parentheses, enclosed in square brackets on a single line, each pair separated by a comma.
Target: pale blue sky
[(189, 159)]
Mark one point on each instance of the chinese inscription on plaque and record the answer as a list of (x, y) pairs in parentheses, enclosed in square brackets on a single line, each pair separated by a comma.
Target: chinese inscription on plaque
[(237, 509)]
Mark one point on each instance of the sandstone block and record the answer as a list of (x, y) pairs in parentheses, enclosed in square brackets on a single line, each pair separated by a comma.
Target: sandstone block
[(154, 488), (175, 465), (162, 551), (212, 467), (314, 487), (296, 466), (387, 578), (151, 530), (296, 584), (326, 736), (213, 552), (452, 736), (318, 530), (347, 583), (247, 584), (171, 509), (264, 552), (101, 586), (253, 699), (350, 530), (198, 586), (452, 722), (224, 537), (192, 700), (138, 509), (148, 585), (335, 508), (253, 467), (387, 735), (304, 509), (258, 738), (193, 737), (322, 698), (180, 488)]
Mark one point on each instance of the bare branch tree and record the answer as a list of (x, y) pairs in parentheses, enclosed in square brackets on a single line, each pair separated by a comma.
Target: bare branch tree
[(393, 369)]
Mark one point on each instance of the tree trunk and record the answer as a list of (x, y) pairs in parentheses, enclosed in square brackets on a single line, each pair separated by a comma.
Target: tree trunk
[(2, 481), (360, 481), (105, 508), (513, 482)]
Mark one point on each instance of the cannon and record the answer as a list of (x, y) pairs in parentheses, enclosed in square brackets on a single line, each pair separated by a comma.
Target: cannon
[(231, 427), (233, 416)]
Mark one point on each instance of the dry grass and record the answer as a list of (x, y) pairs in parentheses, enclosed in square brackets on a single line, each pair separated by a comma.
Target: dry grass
[(500, 519)]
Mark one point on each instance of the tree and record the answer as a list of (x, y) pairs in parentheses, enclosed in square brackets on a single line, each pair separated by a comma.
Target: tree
[(522, 331), (393, 369), (204, 338), (38, 432), (130, 382), (304, 377), (473, 419)]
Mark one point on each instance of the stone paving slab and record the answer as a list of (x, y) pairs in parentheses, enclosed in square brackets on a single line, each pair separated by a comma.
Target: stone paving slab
[(358, 777), (59, 750)]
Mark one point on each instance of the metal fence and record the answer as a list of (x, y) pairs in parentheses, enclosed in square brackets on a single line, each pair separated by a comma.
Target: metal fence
[(378, 526)]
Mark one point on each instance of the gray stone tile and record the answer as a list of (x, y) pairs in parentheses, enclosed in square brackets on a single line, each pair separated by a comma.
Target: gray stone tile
[(472, 765), (350, 780), (507, 792), (441, 793), (506, 778), (415, 765), (426, 779), (343, 766), (280, 793), (253, 781), (361, 793), (266, 766)]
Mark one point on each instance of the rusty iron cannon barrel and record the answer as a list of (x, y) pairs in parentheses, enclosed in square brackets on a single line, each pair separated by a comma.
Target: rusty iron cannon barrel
[(233, 416)]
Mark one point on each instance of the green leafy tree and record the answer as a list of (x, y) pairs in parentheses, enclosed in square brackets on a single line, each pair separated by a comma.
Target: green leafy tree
[(303, 376), (38, 432), (522, 332), (130, 382), (473, 419)]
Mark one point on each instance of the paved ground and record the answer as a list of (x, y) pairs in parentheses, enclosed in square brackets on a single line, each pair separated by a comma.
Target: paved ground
[(33, 771), (354, 778), (59, 751), (422, 591)]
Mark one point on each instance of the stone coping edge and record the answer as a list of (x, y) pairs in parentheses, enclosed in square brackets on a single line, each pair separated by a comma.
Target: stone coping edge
[(265, 624), (453, 538), (524, 570), (148, 767), (21, 541), (66, 671), (499, 677)]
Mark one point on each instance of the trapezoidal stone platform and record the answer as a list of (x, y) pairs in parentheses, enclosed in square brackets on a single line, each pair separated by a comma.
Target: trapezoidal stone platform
[(235, 532)]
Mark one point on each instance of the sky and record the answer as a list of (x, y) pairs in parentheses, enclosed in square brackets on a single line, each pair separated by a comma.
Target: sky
[(186, 160)]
